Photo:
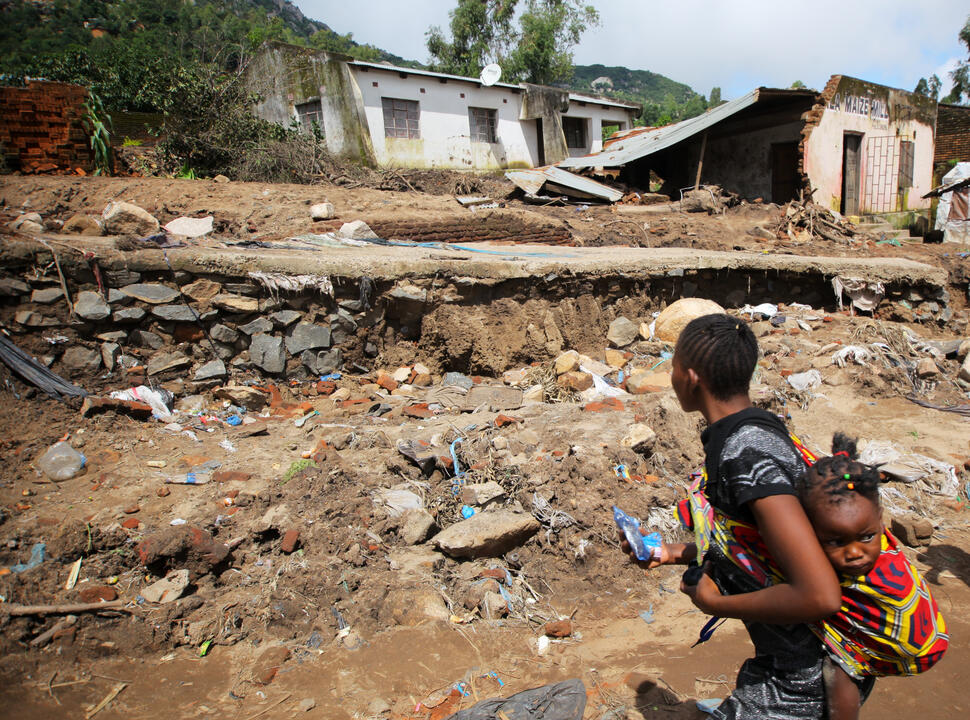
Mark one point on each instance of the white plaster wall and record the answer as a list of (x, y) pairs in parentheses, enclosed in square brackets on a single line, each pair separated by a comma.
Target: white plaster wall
[(443, 123), (823, 155), (595, 115)]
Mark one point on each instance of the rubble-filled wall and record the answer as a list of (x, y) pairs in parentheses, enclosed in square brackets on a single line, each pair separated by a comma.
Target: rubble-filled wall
[(283, 76), (40, 127), (884, 118)]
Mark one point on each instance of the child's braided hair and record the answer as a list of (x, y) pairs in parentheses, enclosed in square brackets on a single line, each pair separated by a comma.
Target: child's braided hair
[(722, 350), (841, 474)]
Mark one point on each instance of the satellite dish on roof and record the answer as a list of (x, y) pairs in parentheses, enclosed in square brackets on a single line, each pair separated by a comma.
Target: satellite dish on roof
[(490, 74)]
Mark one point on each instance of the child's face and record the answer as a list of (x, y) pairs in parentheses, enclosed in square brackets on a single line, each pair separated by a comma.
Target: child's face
[(849, 531)]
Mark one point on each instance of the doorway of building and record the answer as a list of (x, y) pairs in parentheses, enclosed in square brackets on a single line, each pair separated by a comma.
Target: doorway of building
[(784, 172), (541, 141), (851, 172)]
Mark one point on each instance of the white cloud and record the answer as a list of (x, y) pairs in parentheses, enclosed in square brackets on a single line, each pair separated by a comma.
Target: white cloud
[(734, 44)]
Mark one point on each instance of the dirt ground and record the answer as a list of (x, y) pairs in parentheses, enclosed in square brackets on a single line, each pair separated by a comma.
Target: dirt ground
[(376, 627)]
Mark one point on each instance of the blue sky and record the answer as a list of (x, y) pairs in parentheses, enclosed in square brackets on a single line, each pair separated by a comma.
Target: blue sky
[(736, 45)]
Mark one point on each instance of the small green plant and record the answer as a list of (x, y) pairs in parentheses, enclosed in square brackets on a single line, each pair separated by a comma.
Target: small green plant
[(130, 142), (97, 123), (185, 173), (297, 467)]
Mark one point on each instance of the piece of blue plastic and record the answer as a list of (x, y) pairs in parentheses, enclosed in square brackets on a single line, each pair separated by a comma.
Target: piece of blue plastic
[(37, 555), (331, 376), (233, 420), (645, 547), (467, 511)]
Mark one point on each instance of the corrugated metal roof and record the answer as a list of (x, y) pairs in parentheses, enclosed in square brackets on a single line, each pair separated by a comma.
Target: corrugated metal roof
[(637, 145), (531, 181)]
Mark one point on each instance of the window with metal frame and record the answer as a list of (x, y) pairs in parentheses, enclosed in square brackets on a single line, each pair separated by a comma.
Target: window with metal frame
[(400, 118), (310, 115), (575, 130), (481, 124), (907, 153)]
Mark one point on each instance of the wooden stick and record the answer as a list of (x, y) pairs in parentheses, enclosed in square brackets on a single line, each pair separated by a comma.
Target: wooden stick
[(700, 162), (104, 703), (62, 609), (270, 707), (45, 637)]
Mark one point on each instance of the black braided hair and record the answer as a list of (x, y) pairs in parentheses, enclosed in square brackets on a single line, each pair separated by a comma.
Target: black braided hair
[(722, 350), (840, 475)]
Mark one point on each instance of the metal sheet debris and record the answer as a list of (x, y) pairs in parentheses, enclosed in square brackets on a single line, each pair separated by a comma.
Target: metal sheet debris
[(558, 180)]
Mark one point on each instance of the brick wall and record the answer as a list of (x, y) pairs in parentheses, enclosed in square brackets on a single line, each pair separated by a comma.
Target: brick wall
[(40, 127), (952, 133)]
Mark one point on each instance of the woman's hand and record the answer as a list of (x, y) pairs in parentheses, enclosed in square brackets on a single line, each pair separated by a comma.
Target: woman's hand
[(670, 554), (704, 594)]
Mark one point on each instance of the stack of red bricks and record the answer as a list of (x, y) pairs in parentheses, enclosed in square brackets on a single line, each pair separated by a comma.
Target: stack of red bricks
[(41, 130)]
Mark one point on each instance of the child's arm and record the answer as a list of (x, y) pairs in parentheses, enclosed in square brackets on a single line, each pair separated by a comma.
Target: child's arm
[(812, 591), (670, 553), (841, 693)]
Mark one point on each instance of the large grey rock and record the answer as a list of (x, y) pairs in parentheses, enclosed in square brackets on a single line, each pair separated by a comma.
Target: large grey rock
[(121, 218), (224, 351), (357, 230), (168, 589), (244, 396), (486, 534), (168, 362), (235, 303), (678, 314), (116, 297), (640, 438), (417, 526), (110, 352), (174, 313), (257, 326), (458, 380), (128, 315), (494, 397), (305, 336), (45, 296), (223, 334), (321, 211), (285, 318), (145, 338), (29, 318), (121, 277), (266, 352), (202, 290), (623, 332), (322, 362), (12, 287), (211, 370), (152, 293), (79, 360), (91, 306)]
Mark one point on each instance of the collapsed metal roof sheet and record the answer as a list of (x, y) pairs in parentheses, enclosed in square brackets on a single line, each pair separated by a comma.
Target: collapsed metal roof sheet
[(635, 145), (531, 181)]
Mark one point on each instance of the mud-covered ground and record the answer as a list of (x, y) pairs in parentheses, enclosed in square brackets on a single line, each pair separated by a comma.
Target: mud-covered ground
[(372, 623)]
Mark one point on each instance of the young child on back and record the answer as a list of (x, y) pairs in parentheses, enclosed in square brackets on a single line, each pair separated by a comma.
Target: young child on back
[(753, 472), (889, 623)]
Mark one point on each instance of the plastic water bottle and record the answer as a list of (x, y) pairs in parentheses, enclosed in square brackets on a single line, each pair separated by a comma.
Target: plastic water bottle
[(61, 462)]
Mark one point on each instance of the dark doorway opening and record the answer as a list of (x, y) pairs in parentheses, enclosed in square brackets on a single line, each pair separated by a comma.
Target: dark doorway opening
[(784, 172), (541, 142), (851, 172)]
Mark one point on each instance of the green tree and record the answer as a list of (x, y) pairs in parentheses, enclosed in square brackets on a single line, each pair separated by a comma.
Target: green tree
[(537, 49), (715, 97), (798, 84), (960, 92), (928, 88)]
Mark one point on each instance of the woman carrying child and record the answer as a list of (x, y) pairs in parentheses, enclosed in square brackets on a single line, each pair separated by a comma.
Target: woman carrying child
[(753, 473)]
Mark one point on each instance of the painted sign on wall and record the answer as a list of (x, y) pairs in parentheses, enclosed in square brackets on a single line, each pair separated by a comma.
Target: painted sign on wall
[(860, 105)]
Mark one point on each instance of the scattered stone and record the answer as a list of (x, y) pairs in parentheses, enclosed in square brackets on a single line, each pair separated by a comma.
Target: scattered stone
[(487, 534), (235, 303), (640, 438), (322, 211), (269, 663), (113, 336), (558, 628), (266, 352), (82, 224), (128, 315), (257, 326), (121, 218), (588, 364), (223, 333), (152, 293), (761, 233), (174, 313), (110, 352), (963, 351), (91, 306), (81, 360), (45, 296), (458, 380), (306, 336), (168, 589), (535, 393), (414, 563), (145, 338), (28, 318), (616, 359), (623, 332), (307, 704), (220, 179), (28, 223), (515, 377), (421, 379), (211, 370), (674, 319), (401, 375), (97, 593), (290, 540), (120, 277), (323, 362), (496, 397), (567, 362), (913, 530), (494, 605), (167, 362), (647, 382), (190, 227), (964, 373), (284, 318), (482, 494), (357, 230), (926, 368), (93, 404), (243, 396), (575, 381), (12, 287), (418, 524), (202, 290), (644, 331)]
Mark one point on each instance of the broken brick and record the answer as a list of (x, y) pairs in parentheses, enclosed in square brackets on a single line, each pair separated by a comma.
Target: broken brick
[(268, 664), (353, 401), (575, 380), (131, 524), (290, 540), (503, 420), (326, 387), (419, 410), (132, 509), (163, 492), (97, 593), (493, 573), (601, 405), (224, 476), (92, 405), (558, 628)]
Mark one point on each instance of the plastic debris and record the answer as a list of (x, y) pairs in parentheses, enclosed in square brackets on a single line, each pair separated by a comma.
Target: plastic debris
[(397, 500), (28, 369), (709, 706), (190, 478), (61, 462), (645, 547), (851, 354), (808, 380), (38, 554), (647, 615), (561, 701), (467, 511), (764, 310), (159, 400)]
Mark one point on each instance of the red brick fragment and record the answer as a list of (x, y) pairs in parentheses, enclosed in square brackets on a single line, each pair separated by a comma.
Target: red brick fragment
[(231, 476), (97, 593), (290, 540), (92, 405), (558, 628), (419, 410), (131, 524), (503, 420)]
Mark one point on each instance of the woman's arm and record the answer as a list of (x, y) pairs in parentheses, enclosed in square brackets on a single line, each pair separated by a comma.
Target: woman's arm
[(812, 591)]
